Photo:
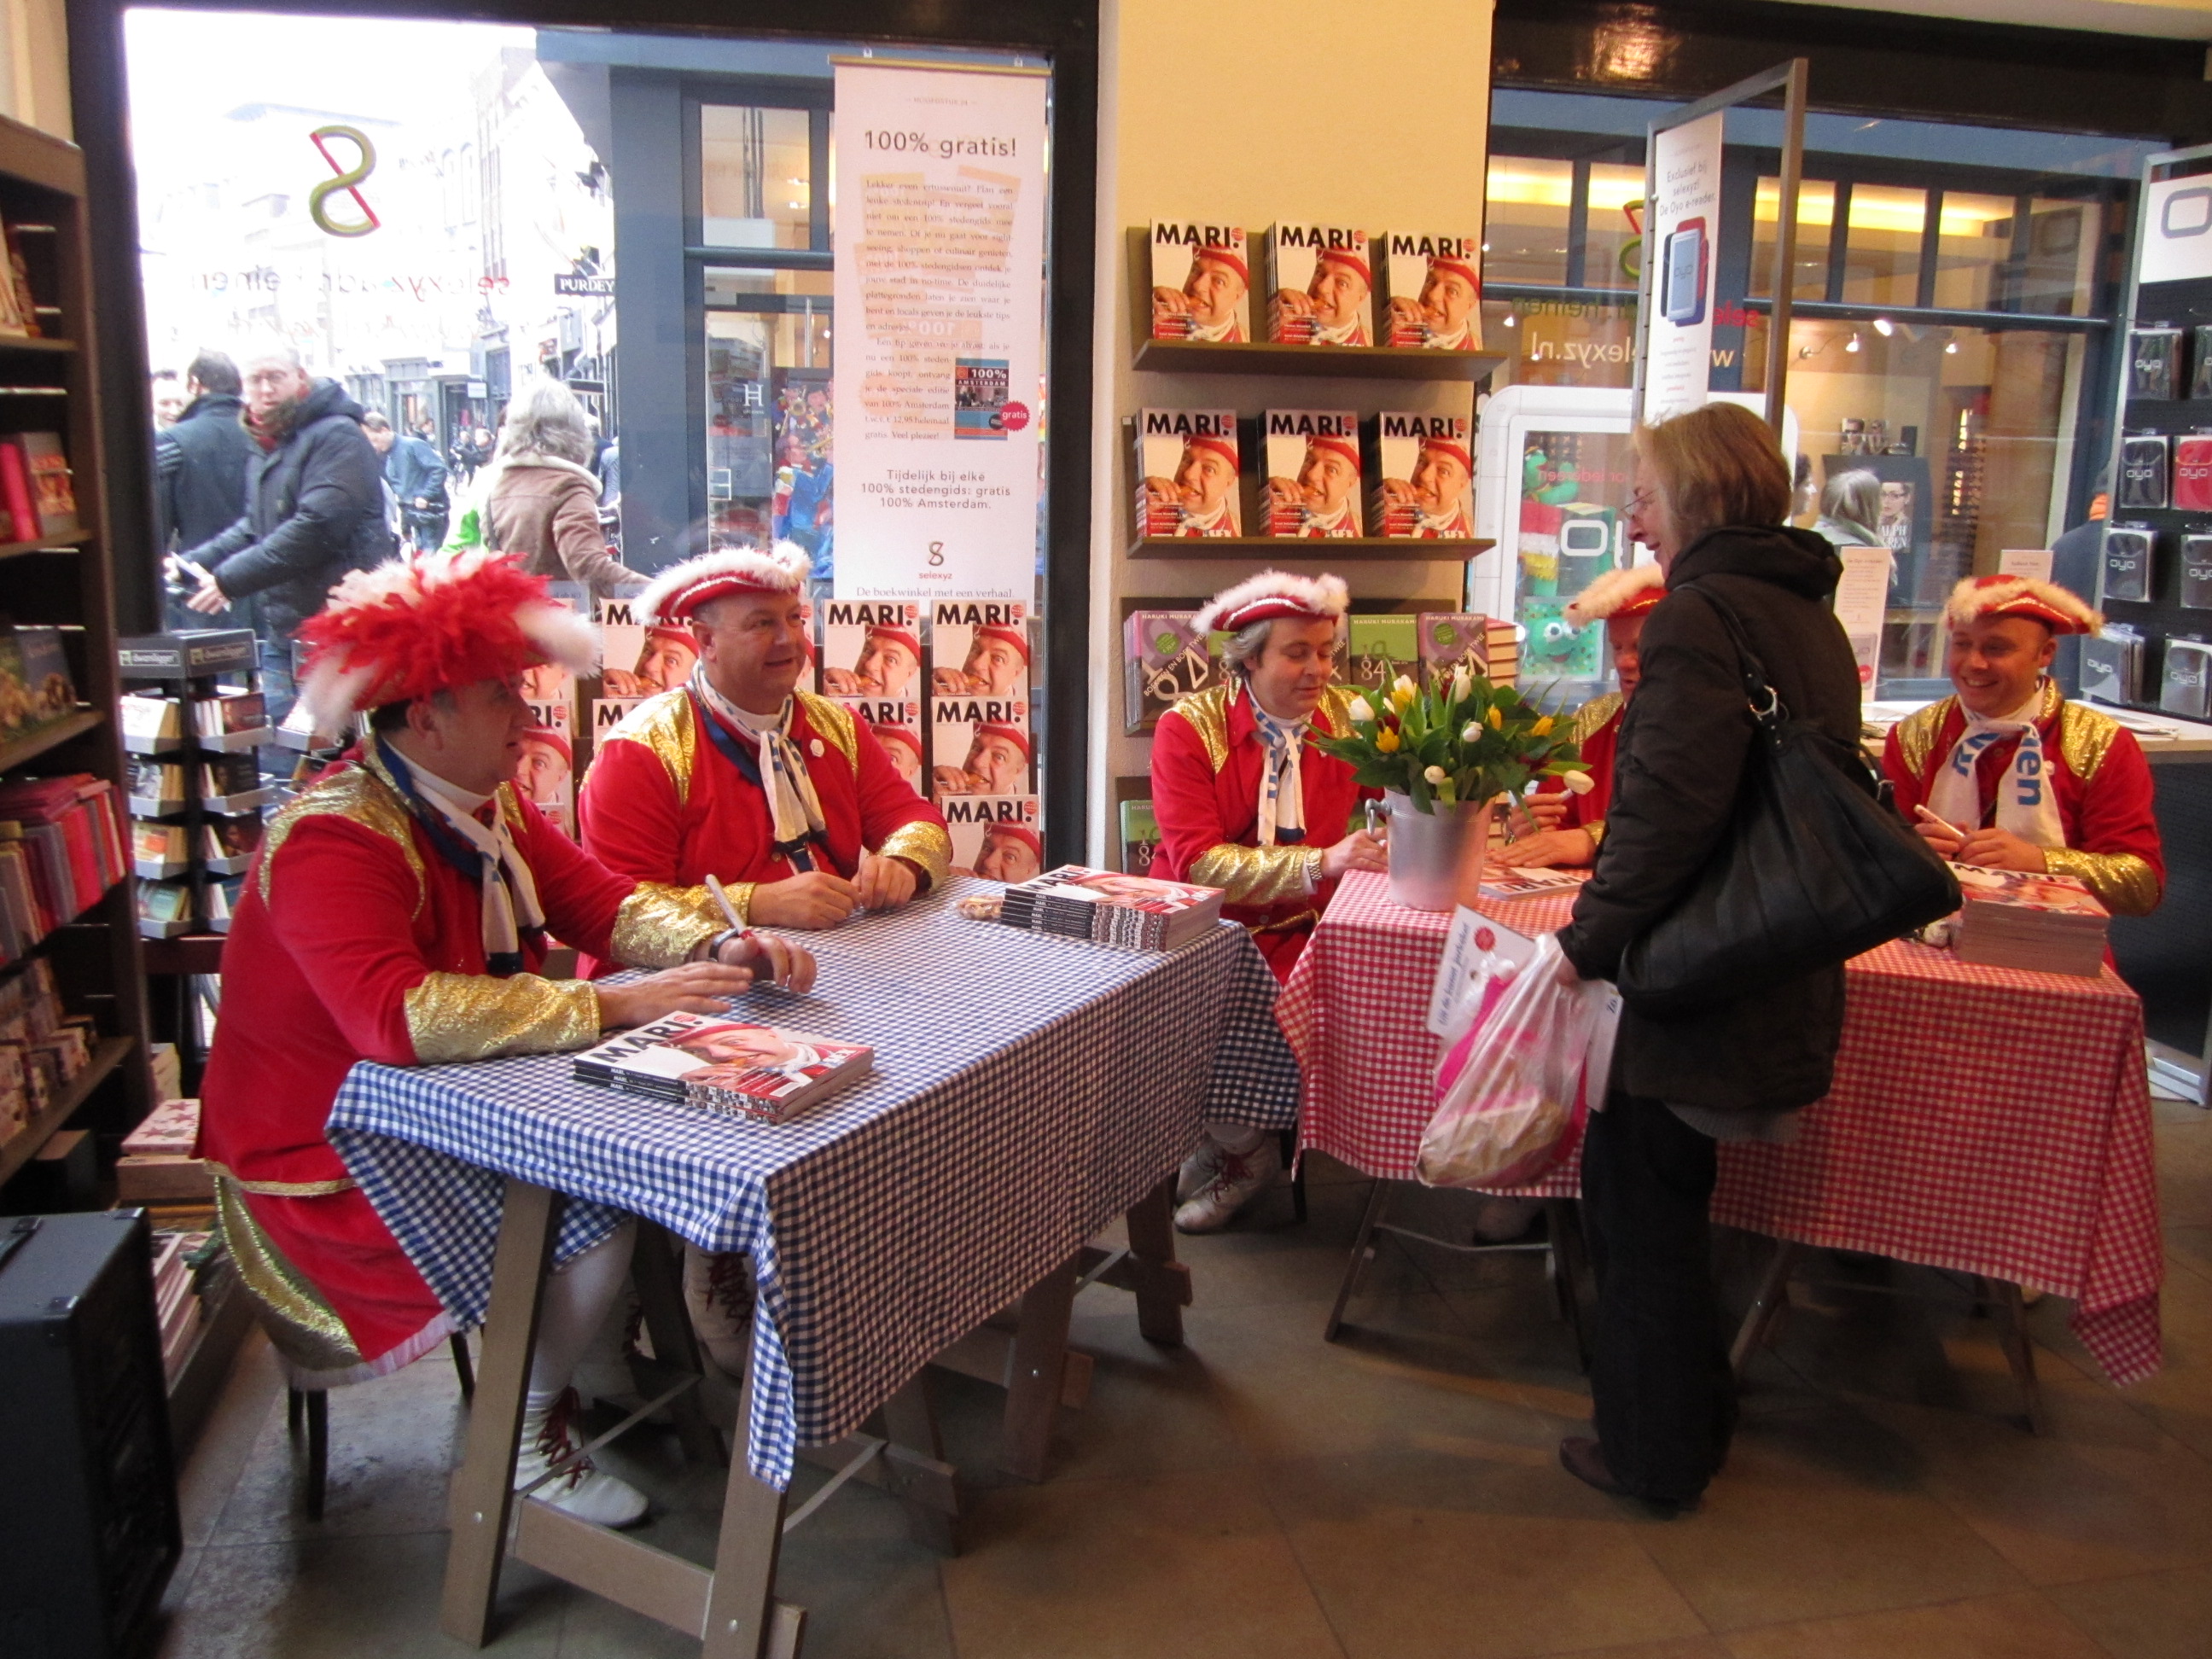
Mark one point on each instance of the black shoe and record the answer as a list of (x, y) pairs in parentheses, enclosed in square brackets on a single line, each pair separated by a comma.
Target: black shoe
[(1584, 1459)]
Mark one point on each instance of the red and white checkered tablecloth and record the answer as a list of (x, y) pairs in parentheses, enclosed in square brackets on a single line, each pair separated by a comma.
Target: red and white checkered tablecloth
[(1984, 1120)]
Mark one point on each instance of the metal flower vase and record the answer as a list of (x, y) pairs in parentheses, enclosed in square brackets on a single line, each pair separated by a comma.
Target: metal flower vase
[(1427, 850)]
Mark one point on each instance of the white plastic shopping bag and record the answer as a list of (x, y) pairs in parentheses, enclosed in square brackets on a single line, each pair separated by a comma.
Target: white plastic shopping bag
[(1514, 1092)]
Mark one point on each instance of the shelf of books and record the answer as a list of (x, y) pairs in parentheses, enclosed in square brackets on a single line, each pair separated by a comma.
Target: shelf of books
[(72, 1000)]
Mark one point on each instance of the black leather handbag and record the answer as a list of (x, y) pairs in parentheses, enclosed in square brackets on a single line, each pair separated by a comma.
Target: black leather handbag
[(1813, 869)]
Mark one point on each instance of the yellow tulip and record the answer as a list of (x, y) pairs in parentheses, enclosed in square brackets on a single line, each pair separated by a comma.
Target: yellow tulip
[(1387, 741), (1497, 719), (1543, 728), (1403, 693)]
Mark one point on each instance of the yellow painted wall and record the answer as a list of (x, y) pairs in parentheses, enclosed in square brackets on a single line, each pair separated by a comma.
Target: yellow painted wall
[(1374, 115), (34, 65)]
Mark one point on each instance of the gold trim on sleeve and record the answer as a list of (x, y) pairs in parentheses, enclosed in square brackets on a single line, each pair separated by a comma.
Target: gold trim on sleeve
[(356, 795), (1206, 713), (2085, 737), (663, 724), (1258, 875), (1590, 718), (659, 927), (834, 723), (299, 1322), (460, 1016), (2125, 883), (1915, 734), (1595, 830), (924, 844)]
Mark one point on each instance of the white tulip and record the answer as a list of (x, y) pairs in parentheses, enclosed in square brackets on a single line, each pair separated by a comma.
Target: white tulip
[(1580, 783), (1462, 682), (1359, 710), (1436, 774), (1471, 733), (1404, 683)]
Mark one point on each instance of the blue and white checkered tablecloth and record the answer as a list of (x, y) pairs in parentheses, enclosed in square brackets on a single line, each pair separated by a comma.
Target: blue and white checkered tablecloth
[(1026, 1091)]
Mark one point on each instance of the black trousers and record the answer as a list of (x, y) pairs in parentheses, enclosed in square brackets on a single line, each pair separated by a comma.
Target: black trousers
[(1665, 1399)]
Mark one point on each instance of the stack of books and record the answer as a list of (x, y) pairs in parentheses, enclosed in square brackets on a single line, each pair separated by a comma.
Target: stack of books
[(176, 1296), (158, 1165), (2023, 919), (62, 845), (1504, 882), (766, 1074), (1106, 908)]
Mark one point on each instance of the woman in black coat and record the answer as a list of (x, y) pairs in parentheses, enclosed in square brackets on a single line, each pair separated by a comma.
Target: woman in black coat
[(1713, 493)]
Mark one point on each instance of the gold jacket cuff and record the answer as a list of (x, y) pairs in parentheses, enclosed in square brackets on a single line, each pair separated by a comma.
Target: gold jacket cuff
[(2126, 885), (925, 846), (661, 926), (458, 1017), (1259, 875), (1595, 831)]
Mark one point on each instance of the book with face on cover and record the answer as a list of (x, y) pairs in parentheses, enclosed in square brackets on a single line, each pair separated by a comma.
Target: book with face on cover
[(1431, 290), (1190, 473), (872, 649), (1420, 477), (742, 1068), (1312, 473), (1201, 282), (1321, 285), (1108, 907), (995, 836)]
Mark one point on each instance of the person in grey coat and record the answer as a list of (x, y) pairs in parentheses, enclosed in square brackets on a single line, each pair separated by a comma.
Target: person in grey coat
[(1714, 493), (314, 510)]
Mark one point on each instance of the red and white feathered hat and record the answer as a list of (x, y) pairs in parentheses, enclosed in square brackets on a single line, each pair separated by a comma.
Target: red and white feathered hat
[(2049, 604), (679, 592), (409, 628), (1272, 594), (1629, 592)]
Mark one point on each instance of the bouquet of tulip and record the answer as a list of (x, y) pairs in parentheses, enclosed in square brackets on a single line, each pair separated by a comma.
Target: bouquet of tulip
[(1464, 741)]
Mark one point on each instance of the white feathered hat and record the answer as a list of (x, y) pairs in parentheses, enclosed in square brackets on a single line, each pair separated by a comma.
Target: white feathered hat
[(2060, 611), (680, 590), (411, 627), (1629, 592), (1270, 594)]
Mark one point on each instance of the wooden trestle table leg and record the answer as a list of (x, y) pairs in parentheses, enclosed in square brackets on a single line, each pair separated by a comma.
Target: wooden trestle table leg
[(482, 1489), (1040, 1354), (1161, 1283), (744, 1619)]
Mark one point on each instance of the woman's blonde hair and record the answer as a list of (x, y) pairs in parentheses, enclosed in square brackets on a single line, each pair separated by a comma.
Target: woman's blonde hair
[(1718, 465), (545, 419)]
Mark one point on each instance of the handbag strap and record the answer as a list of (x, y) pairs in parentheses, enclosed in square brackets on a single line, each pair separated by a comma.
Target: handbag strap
[(1758, 689)]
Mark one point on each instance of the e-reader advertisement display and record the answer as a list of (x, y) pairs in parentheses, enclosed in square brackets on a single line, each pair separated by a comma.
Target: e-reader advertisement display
[(1684, 230)]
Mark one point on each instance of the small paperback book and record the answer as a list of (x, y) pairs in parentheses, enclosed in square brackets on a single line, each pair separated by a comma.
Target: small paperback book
[(2186, 690), (872, 649), (1420, 477), (1140, 836), (2192, 472), (979, 746), (1379, 649), (2154, 363), (2127, 550), (2200, 360), (1500, 882), (1201, 282), (2143, 460), (2197, 572), (1189, 474), (980, 648), (1449, 641), (234, 712), (1108, 908), (2111, 666), (637, 661), (995, 836), (1163, 661), (53, 498), (1432, 291), (766, 1074), (1321, 285), (1311, 458)]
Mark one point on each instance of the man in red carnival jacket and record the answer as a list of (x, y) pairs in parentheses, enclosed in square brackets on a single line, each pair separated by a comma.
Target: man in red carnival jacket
[(1567, 816), (1243, 805), (2008, 775), (785, 798), (398, 912)]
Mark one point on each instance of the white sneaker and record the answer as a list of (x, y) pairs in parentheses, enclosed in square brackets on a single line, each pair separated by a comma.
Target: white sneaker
[(718, 1293), (1239, 1178), (581, 1490), (1200, 1167)]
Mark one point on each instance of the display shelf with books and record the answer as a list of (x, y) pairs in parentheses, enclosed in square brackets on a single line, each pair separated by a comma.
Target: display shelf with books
[(1343, 549), (65, 857)]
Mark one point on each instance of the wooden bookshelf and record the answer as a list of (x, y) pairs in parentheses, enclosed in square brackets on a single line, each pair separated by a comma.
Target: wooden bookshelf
[(50, 383), (1332, 362), (1390, 549)]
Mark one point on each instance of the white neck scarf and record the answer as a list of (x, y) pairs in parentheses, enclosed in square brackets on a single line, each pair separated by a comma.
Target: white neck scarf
[(2026, 804), (792, 805), (1282, 792), (510, 891)]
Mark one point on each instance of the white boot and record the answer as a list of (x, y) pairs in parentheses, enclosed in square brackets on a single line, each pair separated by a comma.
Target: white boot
[(718, 1294), (1239, 1178), (1200, 1167), (581, 1490)]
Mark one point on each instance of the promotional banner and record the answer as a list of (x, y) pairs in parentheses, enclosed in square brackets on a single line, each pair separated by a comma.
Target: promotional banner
[(1680, 240), (939, 234), (2176, 230), (1862, 603)]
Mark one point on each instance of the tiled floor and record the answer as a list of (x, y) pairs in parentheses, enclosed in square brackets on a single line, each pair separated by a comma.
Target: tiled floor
[(1263, 1493)]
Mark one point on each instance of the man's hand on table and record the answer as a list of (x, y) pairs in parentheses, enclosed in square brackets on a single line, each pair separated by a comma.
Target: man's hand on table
[(2001, 849), (1356, 850), (1549, 849), (885, 884), (706, 988), (810, 902)]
